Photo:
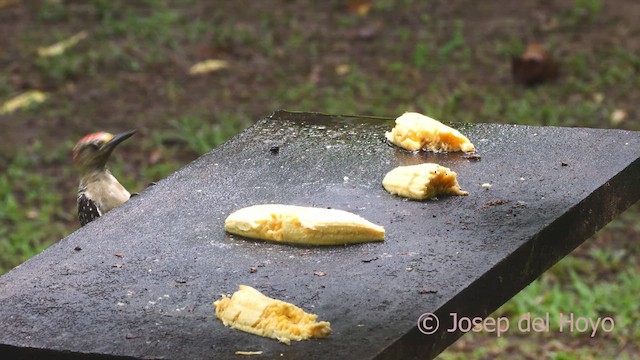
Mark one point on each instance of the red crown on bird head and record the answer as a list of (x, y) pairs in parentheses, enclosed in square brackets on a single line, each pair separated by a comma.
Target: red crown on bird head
[(102, 136)]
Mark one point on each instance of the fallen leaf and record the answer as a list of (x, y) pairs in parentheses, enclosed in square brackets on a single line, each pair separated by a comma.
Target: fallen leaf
[(248, 353), (618, 116), (155, 156), (534, 66), (208, 66), (9, 3), (22, 101), (360, 7), (343, 69), (60, 47), (598, 98)]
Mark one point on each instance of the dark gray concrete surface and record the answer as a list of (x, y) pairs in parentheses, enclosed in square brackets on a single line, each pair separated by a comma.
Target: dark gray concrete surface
[(140, 281)]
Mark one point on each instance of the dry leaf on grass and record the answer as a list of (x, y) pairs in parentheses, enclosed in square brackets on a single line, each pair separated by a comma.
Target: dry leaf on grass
[(534, 66), (360, 7), (618, 116), (343, 69), (155, 156), (208, 66), (60, 47), (22, 101), (9, 3)]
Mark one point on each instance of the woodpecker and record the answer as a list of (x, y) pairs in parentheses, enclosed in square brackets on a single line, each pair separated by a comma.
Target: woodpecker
[(99, 191)]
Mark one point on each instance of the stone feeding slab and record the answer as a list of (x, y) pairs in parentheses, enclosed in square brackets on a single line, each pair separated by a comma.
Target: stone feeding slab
[(140, 282)]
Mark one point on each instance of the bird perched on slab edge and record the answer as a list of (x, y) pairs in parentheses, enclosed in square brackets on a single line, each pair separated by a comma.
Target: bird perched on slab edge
[(99, 191)]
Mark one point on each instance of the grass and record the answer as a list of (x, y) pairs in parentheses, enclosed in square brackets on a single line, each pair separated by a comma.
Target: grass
[(30, 214), (598, 281), (455, 43), (201, 136), (583, 297), (588, 10), (131, 72)]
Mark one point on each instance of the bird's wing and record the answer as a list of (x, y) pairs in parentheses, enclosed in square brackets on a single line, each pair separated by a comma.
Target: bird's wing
[(87, 210)]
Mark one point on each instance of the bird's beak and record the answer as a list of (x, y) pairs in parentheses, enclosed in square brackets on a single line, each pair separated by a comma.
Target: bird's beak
[(117, 139)]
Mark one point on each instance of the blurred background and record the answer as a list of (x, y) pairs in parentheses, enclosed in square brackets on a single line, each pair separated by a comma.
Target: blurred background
[(190, 74)]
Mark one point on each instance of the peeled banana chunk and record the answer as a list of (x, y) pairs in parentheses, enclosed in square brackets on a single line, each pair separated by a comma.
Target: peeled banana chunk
[(251, 311), (302, 225), (415, 132), (420, 182)]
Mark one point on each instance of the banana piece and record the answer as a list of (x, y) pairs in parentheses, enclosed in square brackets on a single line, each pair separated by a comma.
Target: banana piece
[(422, 181), (251, 311), (302, 225), (414, 131)]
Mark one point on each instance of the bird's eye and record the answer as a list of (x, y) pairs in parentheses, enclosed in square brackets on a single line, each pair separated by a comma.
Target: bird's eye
[(89, 148)]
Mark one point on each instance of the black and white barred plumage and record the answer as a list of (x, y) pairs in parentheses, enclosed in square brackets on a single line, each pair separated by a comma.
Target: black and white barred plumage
[(87, 209)]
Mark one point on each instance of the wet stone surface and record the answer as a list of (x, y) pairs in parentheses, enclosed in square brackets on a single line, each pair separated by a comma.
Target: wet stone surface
[(140, 282)]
